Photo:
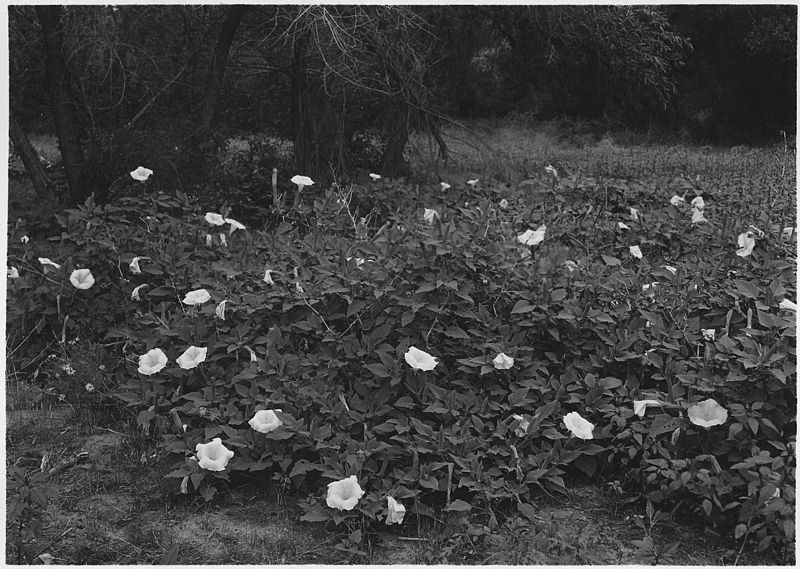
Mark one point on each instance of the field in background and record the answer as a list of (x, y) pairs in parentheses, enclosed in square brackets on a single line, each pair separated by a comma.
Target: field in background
[(512, 152)]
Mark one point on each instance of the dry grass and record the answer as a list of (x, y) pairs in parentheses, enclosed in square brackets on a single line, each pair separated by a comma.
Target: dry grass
[(511, 152)]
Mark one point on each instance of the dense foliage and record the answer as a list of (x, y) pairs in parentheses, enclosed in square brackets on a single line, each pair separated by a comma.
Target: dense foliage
[(311, 315)]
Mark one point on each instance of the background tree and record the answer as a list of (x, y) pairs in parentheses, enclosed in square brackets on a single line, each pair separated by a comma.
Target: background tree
[(59, 82)]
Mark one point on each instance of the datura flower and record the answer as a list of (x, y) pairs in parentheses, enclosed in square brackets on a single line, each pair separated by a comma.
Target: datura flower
[(445, 186), (268, 277), (672, 270), (622, 225), (787, 304), (152, 362), (344, 494), (213, 456), (47, 262), (787, 232), (215, 218), (502, 361), (522, 428), (698, 203), (634, 214), (430, 215), (395, 511), (698, 216), (299, 288), (552, 171), (134, 265), (531, 237), (639, 407), (302, 181), (196, 297), (571, 265), (25, 238), (359, 261), (223, 240), (234, 225), (418, 359), (13, 273), (208, 240), (192, 357), (473, 182), (135, 293), (504, 203), (374, 177), (746, 243), (578, 426), (81, 279), (707, 413), (141, 174), (677, 200), (708, 334), (635, 251), (265, 421), (220, 310)]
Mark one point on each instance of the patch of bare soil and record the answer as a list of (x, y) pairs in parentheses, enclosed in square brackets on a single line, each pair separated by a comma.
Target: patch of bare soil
[(106, 507)]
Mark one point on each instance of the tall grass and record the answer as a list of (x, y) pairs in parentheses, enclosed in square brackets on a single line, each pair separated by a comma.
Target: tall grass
[(510, 152)]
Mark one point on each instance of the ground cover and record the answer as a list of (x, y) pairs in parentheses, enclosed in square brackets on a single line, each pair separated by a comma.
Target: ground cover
[(599, 289)]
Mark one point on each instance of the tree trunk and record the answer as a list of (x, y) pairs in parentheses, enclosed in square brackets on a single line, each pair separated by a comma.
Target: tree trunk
[(299, 122), (66, 118), (30, 159), (219, 63), (393, 163)]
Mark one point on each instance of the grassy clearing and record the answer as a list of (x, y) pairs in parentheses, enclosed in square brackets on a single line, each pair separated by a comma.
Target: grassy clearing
[(512, 152)]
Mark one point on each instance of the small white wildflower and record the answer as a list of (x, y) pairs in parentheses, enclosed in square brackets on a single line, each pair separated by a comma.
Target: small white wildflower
[(234, 225), (634, 214), (135, 293), (375, 177), (215, 218), (141, 174), (24, 238), (552, 171), (89, 387), (430, 215), (708, 334), (473, 182), (504, 204)]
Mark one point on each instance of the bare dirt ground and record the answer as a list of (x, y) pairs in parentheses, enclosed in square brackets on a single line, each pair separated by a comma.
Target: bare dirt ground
[(107, 508)]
